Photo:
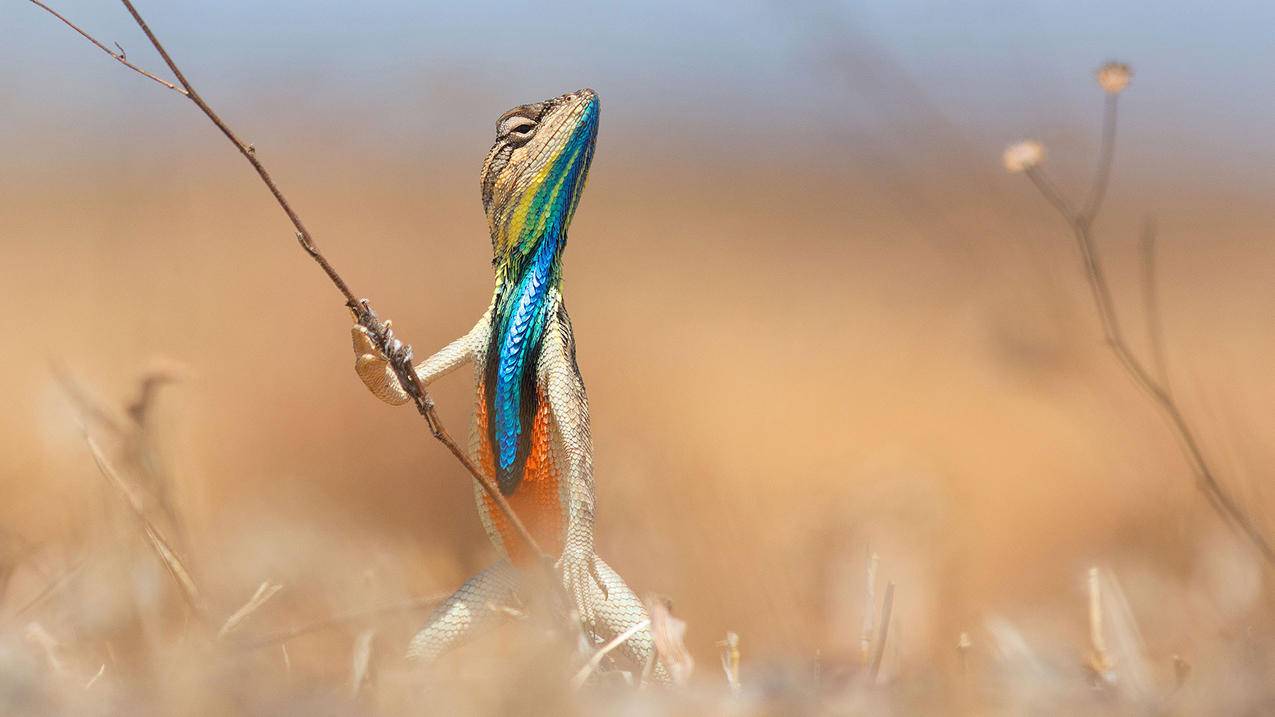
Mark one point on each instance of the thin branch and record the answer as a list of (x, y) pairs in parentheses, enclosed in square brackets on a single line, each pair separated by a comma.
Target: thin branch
[(1222, 501), (286, 636), (1151, 303), (400, 354), (1106, 153), (596, 659), (119, 57)]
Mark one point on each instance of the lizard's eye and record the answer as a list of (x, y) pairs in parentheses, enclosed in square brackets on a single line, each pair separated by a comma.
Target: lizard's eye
[(516, 128)]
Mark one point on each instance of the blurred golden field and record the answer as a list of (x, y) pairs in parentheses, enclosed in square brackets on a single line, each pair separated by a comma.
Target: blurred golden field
[(796, 357)]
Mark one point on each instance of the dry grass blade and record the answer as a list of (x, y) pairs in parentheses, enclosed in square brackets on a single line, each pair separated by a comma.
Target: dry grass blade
[(163, 549), (730, 660), (283, 637), (869, 609), (48, 645), (96, 676), (92, 411), (360, 671), (1121, 639), (1100, 661), (887, 608), (264, 592), (52, 588), (596, 659)]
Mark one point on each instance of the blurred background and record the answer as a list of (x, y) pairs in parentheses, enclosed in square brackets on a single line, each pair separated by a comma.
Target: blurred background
[(816, 318)]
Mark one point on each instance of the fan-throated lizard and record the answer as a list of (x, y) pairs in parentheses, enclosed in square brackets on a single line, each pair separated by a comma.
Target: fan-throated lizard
[(531, 420)]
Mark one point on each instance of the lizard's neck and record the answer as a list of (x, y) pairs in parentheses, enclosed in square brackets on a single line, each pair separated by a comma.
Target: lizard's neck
[(524, 282), (520, 313)]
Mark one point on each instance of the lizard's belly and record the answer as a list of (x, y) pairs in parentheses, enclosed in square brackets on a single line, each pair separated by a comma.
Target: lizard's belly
[(537, 500)]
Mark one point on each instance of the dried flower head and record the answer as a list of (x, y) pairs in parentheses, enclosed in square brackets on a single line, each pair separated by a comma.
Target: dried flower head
[(1022, 156), (1113, 77)]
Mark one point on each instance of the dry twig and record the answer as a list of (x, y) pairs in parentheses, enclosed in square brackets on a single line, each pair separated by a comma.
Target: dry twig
[(1081, 223)]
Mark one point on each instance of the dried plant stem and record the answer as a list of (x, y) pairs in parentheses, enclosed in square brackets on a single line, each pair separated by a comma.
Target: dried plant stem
[(286, 636), (887, 607), (264, 592), (50, 589), (1106, 153), (1080, 223), (159, 544), (120, 57), (400, 354), (1101, 661), (596, 659), (869, 609), (1151, 304), (730, 661)]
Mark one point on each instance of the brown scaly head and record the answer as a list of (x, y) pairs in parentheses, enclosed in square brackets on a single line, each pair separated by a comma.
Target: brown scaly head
[(534, 174)]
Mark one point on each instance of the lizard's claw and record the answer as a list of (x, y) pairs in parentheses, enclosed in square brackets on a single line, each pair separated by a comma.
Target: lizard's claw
[(579, 578), (373, 367)]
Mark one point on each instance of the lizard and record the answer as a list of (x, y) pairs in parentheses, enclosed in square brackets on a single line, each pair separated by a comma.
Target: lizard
[(530, 428)]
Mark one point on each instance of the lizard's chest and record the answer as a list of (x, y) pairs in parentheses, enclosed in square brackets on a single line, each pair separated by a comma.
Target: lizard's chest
[(537, 494)]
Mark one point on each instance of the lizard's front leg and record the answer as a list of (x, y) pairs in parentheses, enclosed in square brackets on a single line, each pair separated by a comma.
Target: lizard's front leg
[(373, 367)]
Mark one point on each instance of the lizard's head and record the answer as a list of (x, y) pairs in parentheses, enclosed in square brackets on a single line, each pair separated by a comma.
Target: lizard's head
[(534, 174)]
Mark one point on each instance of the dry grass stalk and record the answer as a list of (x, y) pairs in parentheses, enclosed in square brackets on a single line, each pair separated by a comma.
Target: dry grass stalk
[(887, 608), (1181, 671), (265, 591), (50, 589), (963, 645), (154, 537), (48, 645), (362, 660), (595, 660), (869, 609), (327, 623), (96, 676), (1099, 657), (730, 661)]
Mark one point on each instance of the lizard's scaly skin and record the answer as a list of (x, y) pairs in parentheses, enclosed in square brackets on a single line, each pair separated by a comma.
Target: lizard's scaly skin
[(531, 418)]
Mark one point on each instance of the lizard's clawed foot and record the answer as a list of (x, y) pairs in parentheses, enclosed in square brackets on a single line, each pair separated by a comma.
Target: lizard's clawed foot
[(373, 365), (582, 583)]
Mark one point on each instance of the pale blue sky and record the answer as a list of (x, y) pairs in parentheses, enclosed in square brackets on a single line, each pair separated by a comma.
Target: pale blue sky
[(774, 78)]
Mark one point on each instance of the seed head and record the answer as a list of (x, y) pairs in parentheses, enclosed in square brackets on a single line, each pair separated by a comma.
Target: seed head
[(1113, 77), (1022, 156)]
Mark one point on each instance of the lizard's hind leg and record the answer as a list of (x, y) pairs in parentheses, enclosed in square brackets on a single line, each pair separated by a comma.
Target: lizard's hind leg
[(620, 610), (465, 612)]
